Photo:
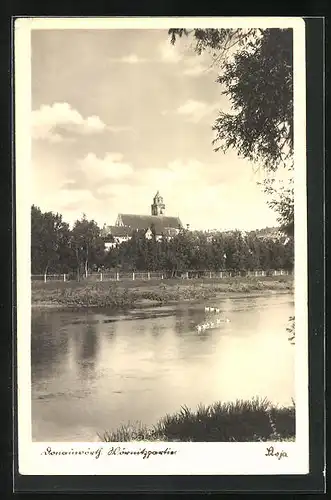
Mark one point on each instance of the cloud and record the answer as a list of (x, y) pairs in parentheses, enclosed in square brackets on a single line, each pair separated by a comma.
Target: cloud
[(198, 191), (197, 69), (120, 128), (176, 172), (187, 180), (60, 122), (194, 111), (109, 168), (197, 65), (129, 59), (132, 59), (67, 197), (95, 174), (192, 64), (169, 53)]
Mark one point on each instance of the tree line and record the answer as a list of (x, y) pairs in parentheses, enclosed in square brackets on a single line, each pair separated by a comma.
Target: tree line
[(57, 249)]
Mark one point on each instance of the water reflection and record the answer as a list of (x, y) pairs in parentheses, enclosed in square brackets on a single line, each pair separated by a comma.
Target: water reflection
[(87, 350), (91, 372), (48, 344)]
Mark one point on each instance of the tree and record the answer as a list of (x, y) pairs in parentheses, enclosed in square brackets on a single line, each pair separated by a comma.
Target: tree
[(218, 251), (49, 239), (254, 250), (87, 244), (283, 204), (256, 74), (57, 249), (259, 85)]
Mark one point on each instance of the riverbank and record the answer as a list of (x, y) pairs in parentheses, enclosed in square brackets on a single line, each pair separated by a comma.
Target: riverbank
[(124, 295), (241, 421)]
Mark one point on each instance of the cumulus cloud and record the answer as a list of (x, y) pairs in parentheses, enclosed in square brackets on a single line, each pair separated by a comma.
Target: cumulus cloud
[(60, 121), (176, 172), (79, 196), (169, 53), (132, 59), (94, 174), (195, 69), (194, 111), (104, 186), (102, 170), (129, 59), (120, 128), (196, 66), (191, 64)]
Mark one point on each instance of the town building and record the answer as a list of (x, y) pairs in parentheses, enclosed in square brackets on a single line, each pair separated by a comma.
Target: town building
[(158, 223)]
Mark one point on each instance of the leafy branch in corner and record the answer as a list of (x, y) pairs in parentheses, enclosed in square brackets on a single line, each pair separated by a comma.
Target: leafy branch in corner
[(256, 75)]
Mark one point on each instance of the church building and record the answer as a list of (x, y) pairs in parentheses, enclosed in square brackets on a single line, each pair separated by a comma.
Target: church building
[(126, 224)]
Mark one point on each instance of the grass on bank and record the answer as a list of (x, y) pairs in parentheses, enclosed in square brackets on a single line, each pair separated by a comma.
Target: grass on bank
[(241, 421), (121, 295)]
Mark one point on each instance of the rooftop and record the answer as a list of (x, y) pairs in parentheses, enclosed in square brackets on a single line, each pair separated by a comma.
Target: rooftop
[(160, 222)]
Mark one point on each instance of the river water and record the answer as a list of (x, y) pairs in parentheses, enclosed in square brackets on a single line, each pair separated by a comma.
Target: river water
[(93, 371)]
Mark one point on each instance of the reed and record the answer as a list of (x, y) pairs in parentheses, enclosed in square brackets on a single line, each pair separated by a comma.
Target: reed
[(126, 295), (239, 421)]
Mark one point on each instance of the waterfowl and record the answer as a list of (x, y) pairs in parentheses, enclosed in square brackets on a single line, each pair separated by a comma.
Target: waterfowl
[(217, 310), (207, 308)]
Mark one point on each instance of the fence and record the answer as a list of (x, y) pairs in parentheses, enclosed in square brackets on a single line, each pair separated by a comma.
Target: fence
[(49, 277), (132, 276)]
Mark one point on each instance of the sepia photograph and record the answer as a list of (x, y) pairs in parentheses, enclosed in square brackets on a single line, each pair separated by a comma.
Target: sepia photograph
[(161, 202)]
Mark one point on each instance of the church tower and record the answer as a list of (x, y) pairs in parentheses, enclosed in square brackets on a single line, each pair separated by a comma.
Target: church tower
[(158, 207)]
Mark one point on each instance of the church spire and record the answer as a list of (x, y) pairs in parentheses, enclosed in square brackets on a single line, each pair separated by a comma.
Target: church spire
[(158, 206)]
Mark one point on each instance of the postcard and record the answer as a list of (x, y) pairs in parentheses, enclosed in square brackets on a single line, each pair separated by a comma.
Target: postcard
[(161, 246)]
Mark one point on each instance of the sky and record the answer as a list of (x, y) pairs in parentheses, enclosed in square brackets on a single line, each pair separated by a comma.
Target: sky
[(120, 114)]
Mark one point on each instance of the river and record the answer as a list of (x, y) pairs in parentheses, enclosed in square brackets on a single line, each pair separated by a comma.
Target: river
[(93, 371)]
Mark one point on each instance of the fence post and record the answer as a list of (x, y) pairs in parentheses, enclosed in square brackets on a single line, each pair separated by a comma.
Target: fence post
[(100, 276), (64, 277), (45, 278), (209, 274), (132, 276), (161, 276), (148, 275), (117, 276)]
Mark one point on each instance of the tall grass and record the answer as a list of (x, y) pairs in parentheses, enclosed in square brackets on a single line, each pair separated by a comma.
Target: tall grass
[(254, 420), (125, 295)]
